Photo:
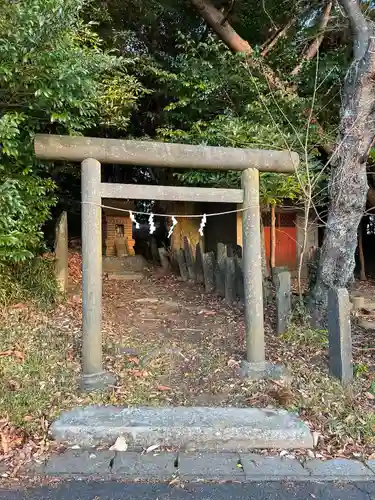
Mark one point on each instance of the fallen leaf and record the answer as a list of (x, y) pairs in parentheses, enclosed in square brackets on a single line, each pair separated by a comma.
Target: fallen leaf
[(134, 360), (207, 313), (120, 444), (163, 388), (278, 383), (152, 448), (13, 385), (19, 355), (232, 363), (140, 373)]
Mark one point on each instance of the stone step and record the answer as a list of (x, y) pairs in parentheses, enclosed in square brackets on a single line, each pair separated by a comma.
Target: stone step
[(183, 428)]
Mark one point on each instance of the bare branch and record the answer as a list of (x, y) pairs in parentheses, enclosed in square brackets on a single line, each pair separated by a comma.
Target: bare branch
[(280, 34), (358, 26), (316, 43)]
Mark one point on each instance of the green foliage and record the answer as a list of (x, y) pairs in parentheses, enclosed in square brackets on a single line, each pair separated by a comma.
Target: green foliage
[(54, 77), (305, 335), (274, 188), (24, 208), (205, 94), (217, 100), (360, 369)]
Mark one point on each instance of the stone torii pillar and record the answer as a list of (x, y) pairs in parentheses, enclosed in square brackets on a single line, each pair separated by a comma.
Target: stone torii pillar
[(93, 375)]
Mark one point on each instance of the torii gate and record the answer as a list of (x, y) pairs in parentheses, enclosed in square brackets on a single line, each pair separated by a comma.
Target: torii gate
[(91, 152)]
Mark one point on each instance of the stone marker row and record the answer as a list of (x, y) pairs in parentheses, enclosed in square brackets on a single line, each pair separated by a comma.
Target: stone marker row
[(222, 274)]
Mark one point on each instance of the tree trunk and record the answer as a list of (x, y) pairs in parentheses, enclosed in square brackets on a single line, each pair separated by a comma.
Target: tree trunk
[(348, 183), (362, 271), (273, 237)]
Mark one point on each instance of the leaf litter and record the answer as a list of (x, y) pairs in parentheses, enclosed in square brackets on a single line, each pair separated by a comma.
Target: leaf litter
[(189, 357)]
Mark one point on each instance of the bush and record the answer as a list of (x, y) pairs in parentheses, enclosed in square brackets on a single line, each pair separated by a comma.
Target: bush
[(30, 281)]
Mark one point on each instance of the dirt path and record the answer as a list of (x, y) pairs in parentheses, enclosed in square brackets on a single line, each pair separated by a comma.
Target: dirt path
[(173, 342)]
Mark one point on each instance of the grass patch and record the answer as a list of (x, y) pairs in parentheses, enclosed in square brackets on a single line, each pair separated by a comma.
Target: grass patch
[(343, 415), (304, 335), (31, 281), (36, 376)]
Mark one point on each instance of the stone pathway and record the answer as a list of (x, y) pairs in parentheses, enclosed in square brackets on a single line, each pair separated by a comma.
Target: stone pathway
[(195, 467)]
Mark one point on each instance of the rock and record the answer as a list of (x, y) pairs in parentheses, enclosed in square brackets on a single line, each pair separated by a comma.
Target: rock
[(189, 258)]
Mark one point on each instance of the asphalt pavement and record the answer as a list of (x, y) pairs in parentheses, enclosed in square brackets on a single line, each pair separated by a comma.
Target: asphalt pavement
[(275, 490)]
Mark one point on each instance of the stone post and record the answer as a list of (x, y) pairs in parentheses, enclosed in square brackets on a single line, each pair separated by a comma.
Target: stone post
[(164, 260), (93, 375), (339, 335), (239, 278), (252, 267), (283, 301), (199, 263), (180, 256), (230, 280), (208, 271), (189, 258), (358, 302), (221, 255), (62, 252)]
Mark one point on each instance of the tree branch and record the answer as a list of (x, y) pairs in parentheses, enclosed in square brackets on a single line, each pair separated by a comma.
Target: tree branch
[(358, 26), (280, 34), (230, 37), (235, 42), (225, 32), (316, 43)]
